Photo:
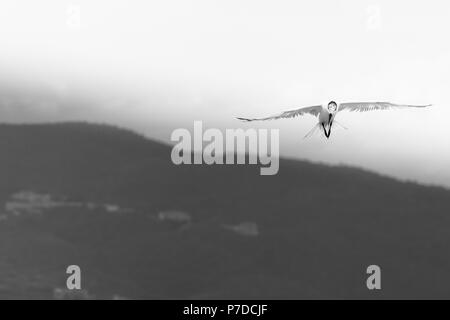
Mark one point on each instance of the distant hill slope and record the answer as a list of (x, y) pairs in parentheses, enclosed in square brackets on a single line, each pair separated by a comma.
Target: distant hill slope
[(318, 227)]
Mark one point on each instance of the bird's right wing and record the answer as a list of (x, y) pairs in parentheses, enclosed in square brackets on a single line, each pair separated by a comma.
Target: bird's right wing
[(313, 110), (369, 106)]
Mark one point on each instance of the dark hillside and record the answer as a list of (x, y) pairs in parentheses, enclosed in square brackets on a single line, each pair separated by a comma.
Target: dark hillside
[(315, 228)]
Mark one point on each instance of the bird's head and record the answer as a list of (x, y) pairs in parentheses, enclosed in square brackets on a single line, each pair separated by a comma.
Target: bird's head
[(332, 106)]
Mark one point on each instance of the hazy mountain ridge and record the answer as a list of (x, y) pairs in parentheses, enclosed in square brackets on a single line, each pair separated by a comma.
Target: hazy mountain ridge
[(319, 227)]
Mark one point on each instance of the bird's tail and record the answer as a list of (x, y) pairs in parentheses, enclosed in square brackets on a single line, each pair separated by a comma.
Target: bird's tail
[(340, 124), (313, 130)]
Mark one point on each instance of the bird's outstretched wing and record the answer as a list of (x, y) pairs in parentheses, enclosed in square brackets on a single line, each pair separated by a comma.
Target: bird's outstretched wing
[(369, 106), (313, 110)]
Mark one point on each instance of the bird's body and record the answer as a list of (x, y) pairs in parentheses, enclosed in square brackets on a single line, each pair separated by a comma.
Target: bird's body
[(326, 113), (325, 116)]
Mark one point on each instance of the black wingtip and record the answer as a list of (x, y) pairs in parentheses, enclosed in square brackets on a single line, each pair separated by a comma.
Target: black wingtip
[(243, 119)]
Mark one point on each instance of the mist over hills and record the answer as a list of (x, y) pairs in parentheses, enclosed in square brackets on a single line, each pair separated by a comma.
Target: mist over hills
[(99, 190)]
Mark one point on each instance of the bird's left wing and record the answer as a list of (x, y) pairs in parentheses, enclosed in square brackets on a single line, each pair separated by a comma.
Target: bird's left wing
[(313, 110), (369, 106)]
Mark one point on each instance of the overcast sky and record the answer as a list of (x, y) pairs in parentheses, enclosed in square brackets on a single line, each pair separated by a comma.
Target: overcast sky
[(158, 65)]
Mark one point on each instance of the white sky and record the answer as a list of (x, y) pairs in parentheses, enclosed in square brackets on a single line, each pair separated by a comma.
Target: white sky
[(158, 65)]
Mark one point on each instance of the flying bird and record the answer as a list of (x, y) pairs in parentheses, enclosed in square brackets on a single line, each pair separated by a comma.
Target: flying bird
[(326, 113)]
